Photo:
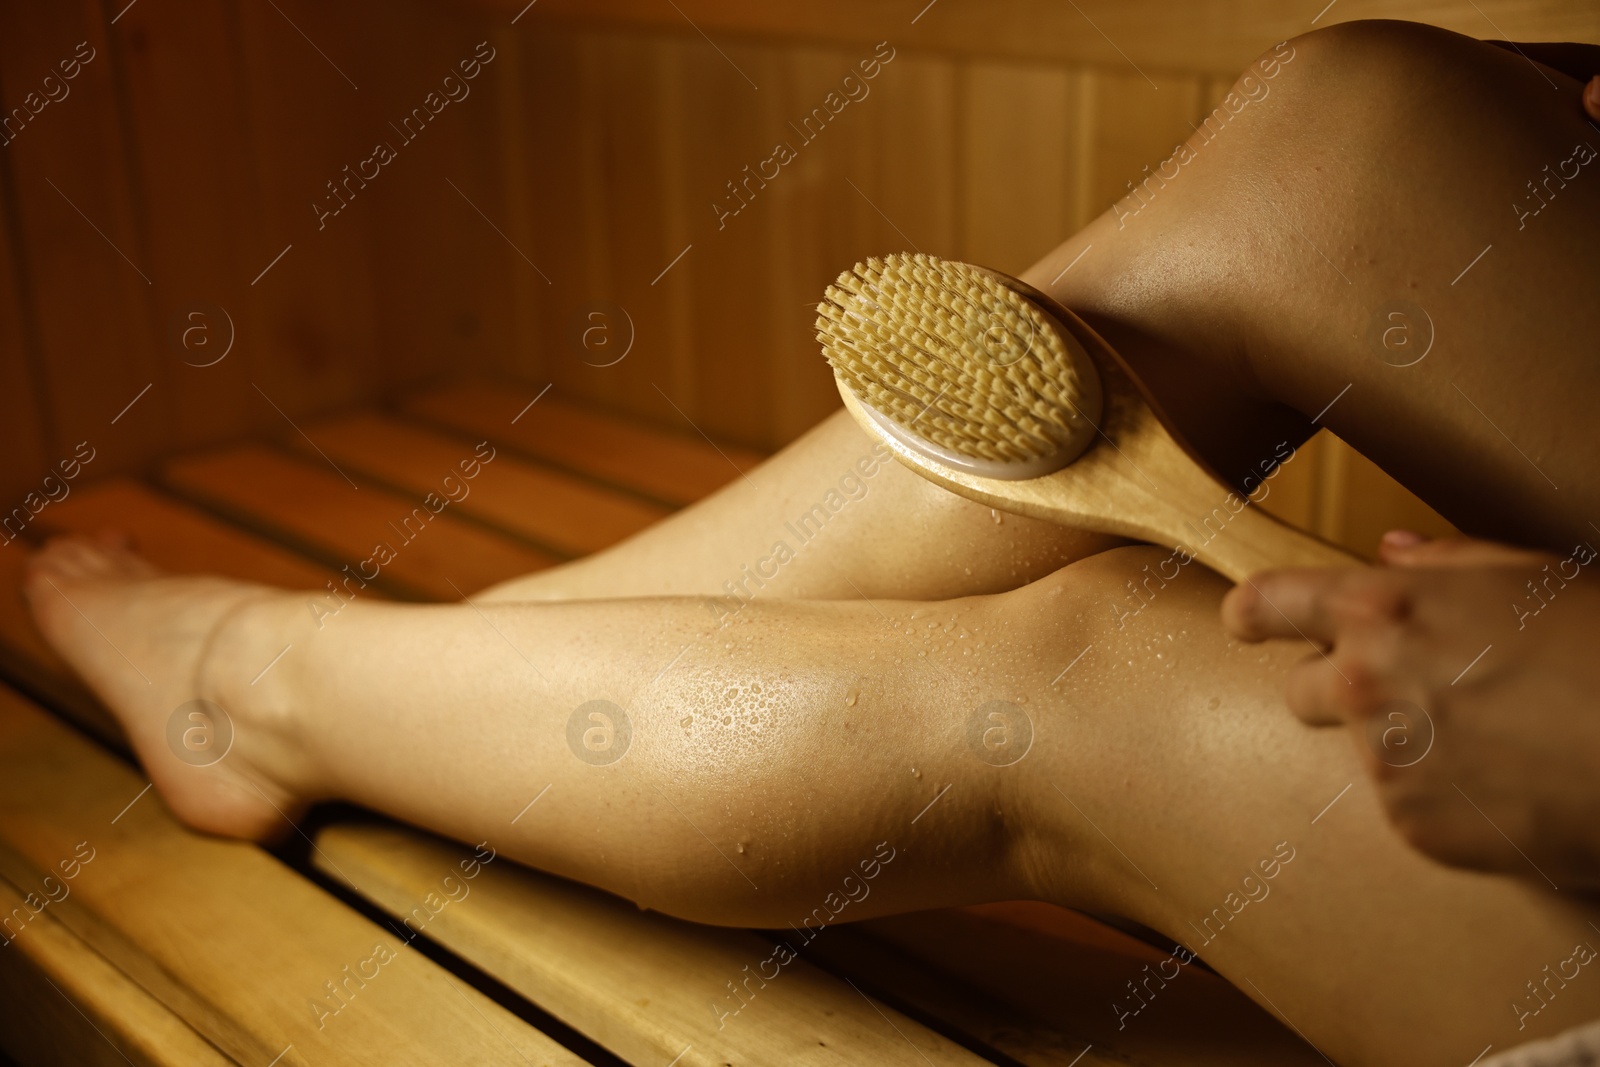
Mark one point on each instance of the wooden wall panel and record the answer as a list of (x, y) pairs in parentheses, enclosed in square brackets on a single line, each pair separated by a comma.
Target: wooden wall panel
[(729, 124), (1017, 178), (23, 429), (437, 249), (640, 215), (517, 147), (593, 146), (832, 208), (182, 95), (1137, 125), (79, 240), (1215, 36), (313, 327)]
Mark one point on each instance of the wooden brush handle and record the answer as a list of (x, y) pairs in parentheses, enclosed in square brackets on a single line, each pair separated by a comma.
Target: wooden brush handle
[(1144, 486), (1254, 541)]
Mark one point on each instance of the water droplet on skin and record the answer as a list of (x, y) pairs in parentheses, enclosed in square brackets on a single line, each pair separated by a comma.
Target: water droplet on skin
[(995, 515), (739, 847), (850, 698), (915, 773), (686, 722)]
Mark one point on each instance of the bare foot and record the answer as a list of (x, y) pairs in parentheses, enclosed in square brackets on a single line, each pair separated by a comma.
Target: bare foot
[(153, 646)]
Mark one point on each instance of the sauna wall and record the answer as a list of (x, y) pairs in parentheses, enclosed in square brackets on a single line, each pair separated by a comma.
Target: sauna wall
[(566, 218)]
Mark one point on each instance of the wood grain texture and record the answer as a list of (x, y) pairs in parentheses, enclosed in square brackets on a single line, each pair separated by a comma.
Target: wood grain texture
[(222, 935), (24, 433), (313, 320), (674, 468), (556, 511), (442, 270), (645, 986), (435, 555), (182, 90), (1218, 36), (66, 1005), (1042, 990), (1017, 134), (79, 233), (588, 156)]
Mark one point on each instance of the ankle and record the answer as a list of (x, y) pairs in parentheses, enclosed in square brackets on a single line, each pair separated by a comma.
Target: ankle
[(244, 669)]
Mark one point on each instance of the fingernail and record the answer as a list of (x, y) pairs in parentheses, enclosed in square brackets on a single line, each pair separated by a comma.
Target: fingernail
[(1403, 538)]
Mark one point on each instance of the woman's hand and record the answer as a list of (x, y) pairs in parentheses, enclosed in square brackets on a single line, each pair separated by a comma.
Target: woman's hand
[(1469, 673)]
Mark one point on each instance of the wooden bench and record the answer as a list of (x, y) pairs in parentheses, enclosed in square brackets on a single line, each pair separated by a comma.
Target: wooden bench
[(169, 947)]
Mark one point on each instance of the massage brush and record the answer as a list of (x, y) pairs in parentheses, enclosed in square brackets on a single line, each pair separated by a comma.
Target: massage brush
[(988, 387)]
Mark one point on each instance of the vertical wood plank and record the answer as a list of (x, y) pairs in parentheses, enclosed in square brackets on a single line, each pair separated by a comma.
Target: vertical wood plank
[(77, 236), (24, 439), (1137, 125), (731, 125), (1017, 127), (634, 204), (184, 102), (524, 357), (670, 61), (435, 220), (1371, 502), (315, 312), (551, 193), (1292, 494)]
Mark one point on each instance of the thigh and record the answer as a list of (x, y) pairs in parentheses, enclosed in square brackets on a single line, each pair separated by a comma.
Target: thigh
[(830, 516), (1395, 231)]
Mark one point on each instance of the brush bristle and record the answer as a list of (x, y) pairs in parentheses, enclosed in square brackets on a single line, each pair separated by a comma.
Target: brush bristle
[(951, 353)]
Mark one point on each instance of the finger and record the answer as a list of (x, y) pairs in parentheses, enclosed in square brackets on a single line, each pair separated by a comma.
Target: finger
[(1402, 551), (1311, 603), (1316, 690)]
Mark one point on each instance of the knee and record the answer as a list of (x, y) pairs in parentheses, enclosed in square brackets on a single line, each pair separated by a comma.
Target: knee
[(1380, 78), (1372, 57)]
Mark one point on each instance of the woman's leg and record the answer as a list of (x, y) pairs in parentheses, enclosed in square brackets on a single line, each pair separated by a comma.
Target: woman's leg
[(1391, 190), (830, 516), (1307, 243), (1165, 802), (1136, 762)]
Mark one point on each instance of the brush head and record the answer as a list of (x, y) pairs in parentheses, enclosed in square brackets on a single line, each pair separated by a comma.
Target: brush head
[(956, 364)]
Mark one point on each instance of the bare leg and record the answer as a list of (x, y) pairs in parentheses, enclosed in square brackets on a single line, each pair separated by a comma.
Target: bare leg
[(1246, 289), (798, 739), (827, 500), (1373, 952), (1384, 160)]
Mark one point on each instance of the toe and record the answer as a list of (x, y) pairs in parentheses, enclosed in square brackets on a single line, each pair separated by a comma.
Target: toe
[(62, 559)]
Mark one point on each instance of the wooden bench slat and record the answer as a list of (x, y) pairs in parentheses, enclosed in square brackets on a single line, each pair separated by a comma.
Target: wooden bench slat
[(570, 515), (313, 505), (66, 1006), (675, 469), (639, 983), (1023, 986), (219, 932)]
